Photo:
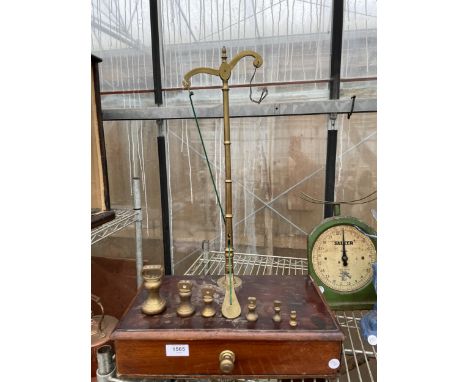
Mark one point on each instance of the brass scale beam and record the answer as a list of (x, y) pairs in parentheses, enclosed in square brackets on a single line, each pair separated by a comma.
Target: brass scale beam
[(231, 308)]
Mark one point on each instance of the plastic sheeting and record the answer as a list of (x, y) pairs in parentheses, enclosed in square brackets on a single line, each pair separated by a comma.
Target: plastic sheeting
[(273, 161), (356, 164), (131, 150), (121, 36), (293, 38), (359, 51)]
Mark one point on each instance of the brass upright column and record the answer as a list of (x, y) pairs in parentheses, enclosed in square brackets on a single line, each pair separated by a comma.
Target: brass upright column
[(224, 72)]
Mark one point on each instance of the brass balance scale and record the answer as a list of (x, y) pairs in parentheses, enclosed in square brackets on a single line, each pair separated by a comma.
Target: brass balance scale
[(173, 327)]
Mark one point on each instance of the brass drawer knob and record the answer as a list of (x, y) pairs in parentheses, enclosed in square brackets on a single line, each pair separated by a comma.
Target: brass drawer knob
[(226, 361)]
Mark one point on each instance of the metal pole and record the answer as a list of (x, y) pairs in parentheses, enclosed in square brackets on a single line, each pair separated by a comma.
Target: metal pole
[(335, 78), (138, 229), (330, 167), (242, 110), (166, 231), (336, 48), (155, 50), (206, 249)]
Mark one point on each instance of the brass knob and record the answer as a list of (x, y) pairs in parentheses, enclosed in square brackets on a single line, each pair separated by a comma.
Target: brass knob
[(226, 361)]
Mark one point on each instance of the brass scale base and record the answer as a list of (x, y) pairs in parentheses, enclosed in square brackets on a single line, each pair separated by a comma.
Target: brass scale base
[(222, 282)]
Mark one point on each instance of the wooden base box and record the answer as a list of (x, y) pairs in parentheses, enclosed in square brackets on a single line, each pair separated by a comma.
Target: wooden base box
[(167, 346)]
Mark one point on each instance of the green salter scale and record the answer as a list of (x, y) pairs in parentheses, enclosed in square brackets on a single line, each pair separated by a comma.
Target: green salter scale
[(341, 251)]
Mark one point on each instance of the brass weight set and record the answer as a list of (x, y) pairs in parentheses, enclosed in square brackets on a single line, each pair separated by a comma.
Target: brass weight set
[(155, 304)]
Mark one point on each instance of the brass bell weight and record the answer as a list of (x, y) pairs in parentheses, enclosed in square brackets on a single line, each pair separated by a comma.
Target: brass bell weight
[(208, 310), (185, 308), (152, 280), (252, 315), (277, 309)]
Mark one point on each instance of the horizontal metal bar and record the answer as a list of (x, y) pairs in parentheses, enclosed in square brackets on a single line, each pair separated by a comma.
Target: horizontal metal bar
[(269, 41), (243, 110), (357, 351), (257, 85)]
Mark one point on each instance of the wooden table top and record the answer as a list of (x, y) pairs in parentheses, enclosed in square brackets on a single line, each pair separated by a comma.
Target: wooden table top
[(299, 293)]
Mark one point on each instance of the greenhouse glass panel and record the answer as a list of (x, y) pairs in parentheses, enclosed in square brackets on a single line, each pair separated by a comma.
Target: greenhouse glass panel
[(121, 36), (356, 165), (274, 159), (359, 51), (132, 151), (293, 37)]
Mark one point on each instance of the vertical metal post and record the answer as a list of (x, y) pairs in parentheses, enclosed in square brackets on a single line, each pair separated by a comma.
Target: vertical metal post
[(335, 76), (156, 53), (336, 47), (138, 229), (166, 231), (330, 172), (205, 249)]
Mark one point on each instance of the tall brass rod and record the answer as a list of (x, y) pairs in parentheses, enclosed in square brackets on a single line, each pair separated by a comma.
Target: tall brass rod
[(224, 72), (229, 240)]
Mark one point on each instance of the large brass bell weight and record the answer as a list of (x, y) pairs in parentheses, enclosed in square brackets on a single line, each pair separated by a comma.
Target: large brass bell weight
[(152, 277)]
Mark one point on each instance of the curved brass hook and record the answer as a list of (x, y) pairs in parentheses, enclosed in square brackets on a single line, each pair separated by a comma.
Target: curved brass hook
[(193, 72), (257, 62)]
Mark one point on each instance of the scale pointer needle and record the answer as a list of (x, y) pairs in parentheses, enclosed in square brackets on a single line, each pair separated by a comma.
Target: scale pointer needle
[(344, 257)]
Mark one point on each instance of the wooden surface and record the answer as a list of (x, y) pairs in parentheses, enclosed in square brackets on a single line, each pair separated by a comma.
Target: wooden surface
[(263, 348), (97, 176), (99, 180), (114, 281)]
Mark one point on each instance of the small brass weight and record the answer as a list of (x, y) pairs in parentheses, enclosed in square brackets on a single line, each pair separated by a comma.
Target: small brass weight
[(293, 319), (152, 276), (277, 309), (252, 315), (185, 309), (208, 309)]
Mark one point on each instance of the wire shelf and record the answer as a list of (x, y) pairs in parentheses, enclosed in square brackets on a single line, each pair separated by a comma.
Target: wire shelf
[(212, 263), (359, 361), (123, 218)]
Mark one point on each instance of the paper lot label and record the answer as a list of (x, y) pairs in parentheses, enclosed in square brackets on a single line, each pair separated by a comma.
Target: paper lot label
[(177, 350)]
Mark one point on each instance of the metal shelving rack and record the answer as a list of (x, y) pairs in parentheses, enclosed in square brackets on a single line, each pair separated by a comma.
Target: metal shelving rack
[(359, 361), (124, 218)]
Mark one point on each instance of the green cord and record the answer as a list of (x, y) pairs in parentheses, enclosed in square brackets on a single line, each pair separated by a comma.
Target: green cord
[(230, 272), (206, 156), (217, 195)]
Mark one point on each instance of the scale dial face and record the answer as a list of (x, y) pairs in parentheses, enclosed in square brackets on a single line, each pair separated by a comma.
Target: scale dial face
[(344, 267)]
